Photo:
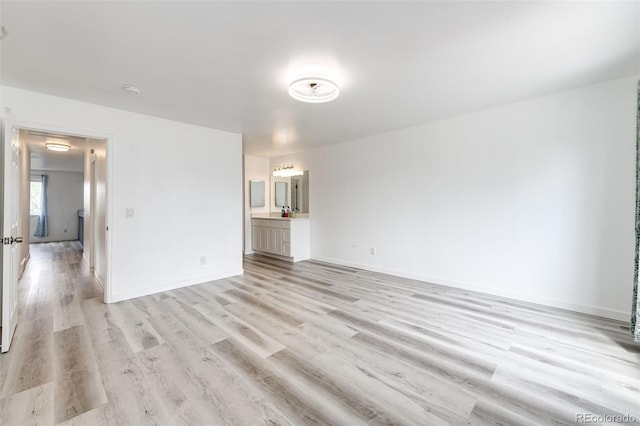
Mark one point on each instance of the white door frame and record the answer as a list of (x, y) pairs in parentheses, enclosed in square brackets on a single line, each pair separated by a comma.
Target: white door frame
[(87, 133), (92, 210)]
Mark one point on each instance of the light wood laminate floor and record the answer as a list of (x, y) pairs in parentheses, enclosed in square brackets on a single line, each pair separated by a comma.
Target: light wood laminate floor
[(309, 343)]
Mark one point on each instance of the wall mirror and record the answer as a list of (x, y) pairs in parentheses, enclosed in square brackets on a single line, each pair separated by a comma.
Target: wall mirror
[(281, 194), (256, 190), (300, 193)]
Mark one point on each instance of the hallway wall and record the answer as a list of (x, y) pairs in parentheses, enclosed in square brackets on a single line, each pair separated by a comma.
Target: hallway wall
[(65, 193)]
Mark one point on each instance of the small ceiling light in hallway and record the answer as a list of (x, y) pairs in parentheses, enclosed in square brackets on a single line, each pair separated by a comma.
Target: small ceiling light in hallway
[(57, 145)]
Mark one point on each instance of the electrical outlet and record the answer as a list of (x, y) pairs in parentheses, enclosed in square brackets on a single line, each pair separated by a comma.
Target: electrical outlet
[(130, 213), (372, 251), (203, 260)]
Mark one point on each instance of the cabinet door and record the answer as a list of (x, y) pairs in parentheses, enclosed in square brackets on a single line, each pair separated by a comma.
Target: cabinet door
[(271, 240), (264, 239), (255, 238)]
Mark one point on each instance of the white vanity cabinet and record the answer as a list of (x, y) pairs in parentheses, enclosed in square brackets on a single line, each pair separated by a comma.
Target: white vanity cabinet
[(284, 238)]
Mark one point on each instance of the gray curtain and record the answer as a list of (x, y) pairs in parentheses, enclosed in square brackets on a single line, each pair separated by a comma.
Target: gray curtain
[(635, 308), (42, 230)]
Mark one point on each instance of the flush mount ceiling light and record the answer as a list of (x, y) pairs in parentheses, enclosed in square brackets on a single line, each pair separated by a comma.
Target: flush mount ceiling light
[(57, 146), (286, 170), (313, 90)]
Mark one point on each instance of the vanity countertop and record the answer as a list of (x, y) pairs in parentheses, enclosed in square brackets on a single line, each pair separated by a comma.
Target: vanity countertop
[(276, 216)]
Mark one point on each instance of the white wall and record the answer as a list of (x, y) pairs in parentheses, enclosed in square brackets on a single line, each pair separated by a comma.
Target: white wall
[(532, 200), (183, 181), (64, 199), (255, 168)]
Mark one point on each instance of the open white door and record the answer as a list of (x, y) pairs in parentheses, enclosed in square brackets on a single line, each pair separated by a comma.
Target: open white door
[(10, 160)]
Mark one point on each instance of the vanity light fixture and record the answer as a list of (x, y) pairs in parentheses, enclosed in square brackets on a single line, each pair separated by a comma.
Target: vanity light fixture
[(286, 170), (57, 146), (313, 89)]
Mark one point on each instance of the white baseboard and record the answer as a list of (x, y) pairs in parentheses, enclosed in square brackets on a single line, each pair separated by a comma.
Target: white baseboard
[(44, 240), (555, 303), (171, 286)]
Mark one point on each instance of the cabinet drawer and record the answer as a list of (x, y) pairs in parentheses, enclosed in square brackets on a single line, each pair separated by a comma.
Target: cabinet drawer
[(279, 224), (271, 223)]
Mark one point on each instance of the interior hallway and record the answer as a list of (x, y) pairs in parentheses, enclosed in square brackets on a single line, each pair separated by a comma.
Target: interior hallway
[(303, 343)]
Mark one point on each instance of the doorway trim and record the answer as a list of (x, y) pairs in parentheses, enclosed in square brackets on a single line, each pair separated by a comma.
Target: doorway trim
[(92, 208), (108, 138)]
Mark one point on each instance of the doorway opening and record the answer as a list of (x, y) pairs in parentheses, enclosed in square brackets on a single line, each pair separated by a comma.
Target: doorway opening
[(63, 196)]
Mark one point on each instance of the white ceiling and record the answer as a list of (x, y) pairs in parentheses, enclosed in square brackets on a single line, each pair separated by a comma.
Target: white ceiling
[(44, 159), (227, 65)]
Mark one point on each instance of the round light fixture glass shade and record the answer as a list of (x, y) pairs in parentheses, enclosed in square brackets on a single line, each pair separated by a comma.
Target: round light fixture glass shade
[(313, 89), (54, 146)]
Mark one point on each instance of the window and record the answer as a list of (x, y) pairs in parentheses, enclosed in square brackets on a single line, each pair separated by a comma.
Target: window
[(36, 198)]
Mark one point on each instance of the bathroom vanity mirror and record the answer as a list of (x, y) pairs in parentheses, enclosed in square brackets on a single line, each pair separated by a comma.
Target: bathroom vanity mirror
[(256, 190), (281, 198), (292, 191), (300, 193)]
